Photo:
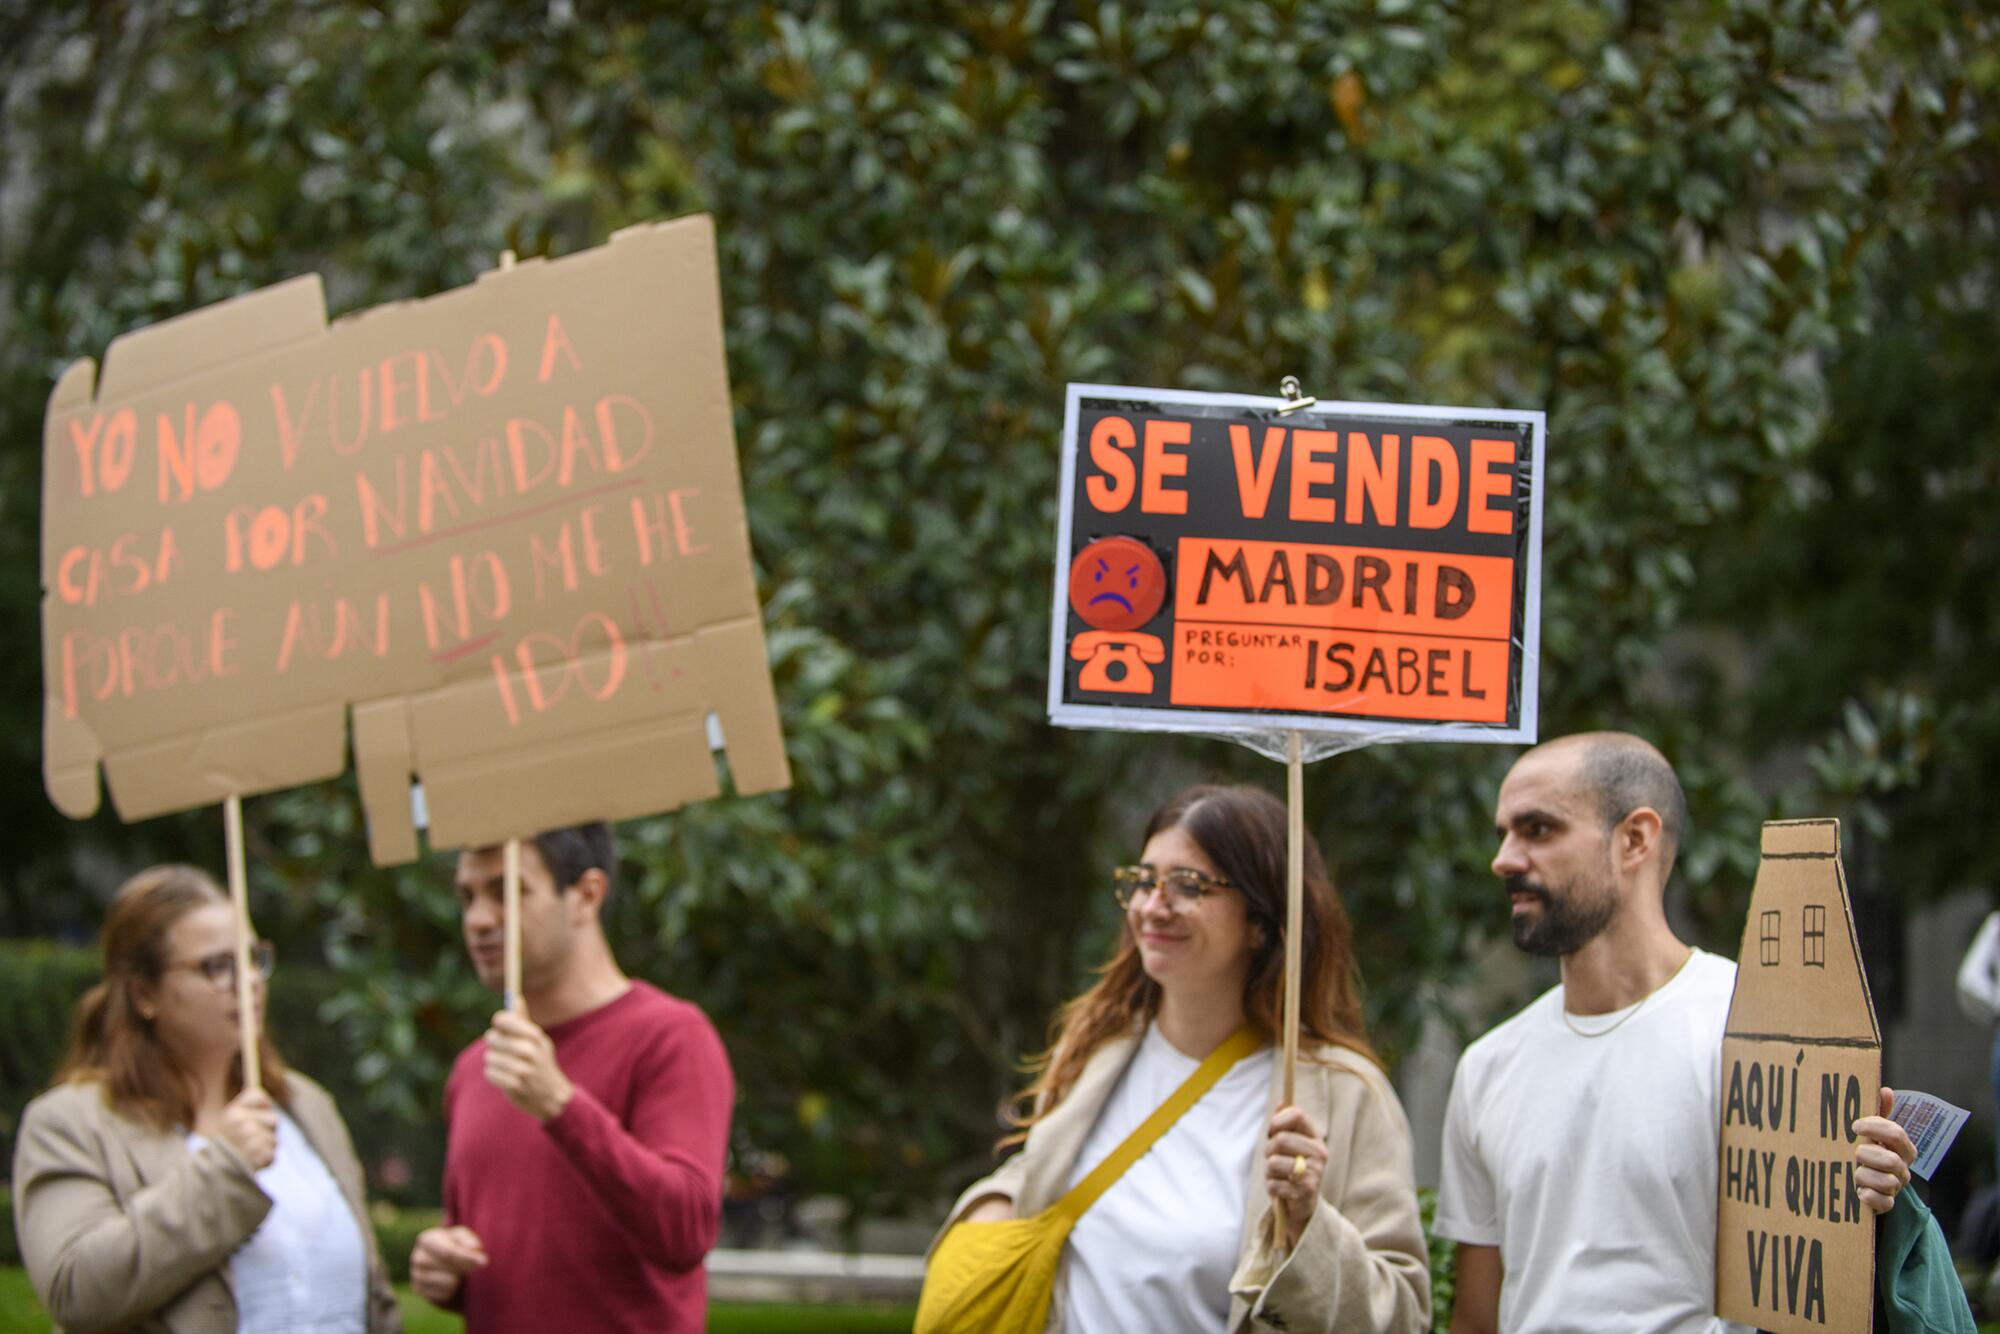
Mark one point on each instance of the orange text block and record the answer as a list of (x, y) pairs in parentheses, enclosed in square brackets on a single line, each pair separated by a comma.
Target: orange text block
[(1357, 589), (1299, 670)]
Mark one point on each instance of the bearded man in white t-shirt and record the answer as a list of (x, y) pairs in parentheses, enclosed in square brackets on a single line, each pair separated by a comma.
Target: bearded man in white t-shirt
[(1580, 1142)]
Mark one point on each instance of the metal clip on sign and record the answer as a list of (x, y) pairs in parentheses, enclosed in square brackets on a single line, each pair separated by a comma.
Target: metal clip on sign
[(1294, 400)]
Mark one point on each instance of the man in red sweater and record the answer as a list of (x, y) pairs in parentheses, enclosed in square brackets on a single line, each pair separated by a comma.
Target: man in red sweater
[(585, 1138)]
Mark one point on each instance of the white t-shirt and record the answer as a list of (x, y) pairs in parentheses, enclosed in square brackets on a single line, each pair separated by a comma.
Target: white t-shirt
[(1157, 1250), (1591, 1161), (305, 1269)]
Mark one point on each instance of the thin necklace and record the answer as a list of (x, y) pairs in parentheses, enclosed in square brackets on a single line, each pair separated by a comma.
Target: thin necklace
[(1637, 1006)]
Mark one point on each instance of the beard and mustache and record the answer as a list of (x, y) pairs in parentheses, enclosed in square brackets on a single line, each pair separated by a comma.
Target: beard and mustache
[(1569, 919)]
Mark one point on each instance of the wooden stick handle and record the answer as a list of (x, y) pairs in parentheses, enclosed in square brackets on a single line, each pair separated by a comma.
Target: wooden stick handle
[(511, 927), (1295, 881), (246, 984)]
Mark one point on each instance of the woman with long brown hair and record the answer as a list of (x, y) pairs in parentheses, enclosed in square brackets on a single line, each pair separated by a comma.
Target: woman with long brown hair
[(152, 1190), (1179, 1237)]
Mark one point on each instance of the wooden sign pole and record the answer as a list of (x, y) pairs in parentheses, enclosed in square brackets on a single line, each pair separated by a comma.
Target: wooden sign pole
[(246, 985), (511, 930), (1295, 880), (512, 925)]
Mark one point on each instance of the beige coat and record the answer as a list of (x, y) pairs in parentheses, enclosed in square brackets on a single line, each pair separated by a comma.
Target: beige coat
[(121, 1228), (1361, 1264)]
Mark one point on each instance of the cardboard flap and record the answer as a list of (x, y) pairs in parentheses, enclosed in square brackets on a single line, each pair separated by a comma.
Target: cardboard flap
[(615, 776), (234, 330), (747, 706), (499, 525), (260, 755), (385, 759), (69, 766)]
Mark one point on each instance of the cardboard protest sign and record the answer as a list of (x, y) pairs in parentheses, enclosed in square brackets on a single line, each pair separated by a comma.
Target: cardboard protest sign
[(1367, 568), (503, 526), (1801, 1062)]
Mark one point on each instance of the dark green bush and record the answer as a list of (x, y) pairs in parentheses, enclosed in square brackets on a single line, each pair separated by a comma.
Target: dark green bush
[(39, 985), (1444, 1263)]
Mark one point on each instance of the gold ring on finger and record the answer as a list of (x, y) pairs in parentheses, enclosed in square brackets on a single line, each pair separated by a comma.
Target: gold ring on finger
[(1298, 1166)]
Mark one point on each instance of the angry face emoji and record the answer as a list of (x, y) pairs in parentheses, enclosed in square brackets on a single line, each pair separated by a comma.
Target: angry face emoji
[(1117, 583)]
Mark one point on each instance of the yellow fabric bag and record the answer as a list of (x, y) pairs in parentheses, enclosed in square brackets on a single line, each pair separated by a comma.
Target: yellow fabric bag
[(998, 1278)]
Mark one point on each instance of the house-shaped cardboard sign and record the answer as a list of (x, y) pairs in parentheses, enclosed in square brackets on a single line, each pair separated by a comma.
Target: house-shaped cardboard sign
[(501, 529), (1801, 1062)]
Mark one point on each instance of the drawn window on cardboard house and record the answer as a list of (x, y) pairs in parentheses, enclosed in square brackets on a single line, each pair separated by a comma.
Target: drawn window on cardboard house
[(1767, 940), (1815, 935)]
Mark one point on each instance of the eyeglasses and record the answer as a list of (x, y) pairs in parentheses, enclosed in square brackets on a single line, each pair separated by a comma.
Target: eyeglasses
[(219, 968), (1185, 887)]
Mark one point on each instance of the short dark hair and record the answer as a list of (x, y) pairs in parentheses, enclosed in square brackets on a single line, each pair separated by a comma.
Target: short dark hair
[(1624, 774), (569, 852)]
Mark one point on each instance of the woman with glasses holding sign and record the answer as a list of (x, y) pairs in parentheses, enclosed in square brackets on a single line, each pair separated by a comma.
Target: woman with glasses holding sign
[(1154, 1150), (152, 1191)]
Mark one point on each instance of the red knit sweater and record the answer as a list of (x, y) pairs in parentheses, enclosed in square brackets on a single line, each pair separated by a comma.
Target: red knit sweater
[(599, 1219)]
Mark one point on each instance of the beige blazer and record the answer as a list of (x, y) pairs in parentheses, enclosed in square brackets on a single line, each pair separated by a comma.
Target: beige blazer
[(121, 1228), (1361, 1264)]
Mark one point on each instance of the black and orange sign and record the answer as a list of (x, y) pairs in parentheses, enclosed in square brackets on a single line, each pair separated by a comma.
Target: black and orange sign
[(501, 529), (1349, 567)]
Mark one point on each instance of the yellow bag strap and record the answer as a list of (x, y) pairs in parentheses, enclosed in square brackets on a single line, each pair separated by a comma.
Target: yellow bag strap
[(1220, 1062)]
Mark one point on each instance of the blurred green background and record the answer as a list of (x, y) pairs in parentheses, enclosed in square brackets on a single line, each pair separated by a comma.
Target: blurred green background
[(1743, 252)]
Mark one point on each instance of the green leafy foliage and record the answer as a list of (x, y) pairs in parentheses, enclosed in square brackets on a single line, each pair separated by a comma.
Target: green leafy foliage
[(1734, 249), (39, 984), (396, 1233), (1444, 1263)]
